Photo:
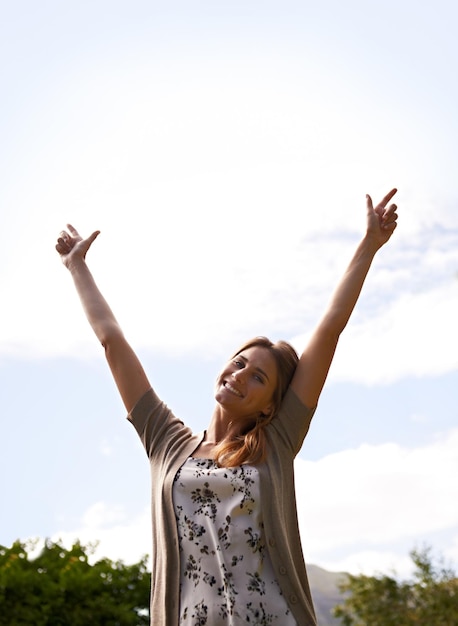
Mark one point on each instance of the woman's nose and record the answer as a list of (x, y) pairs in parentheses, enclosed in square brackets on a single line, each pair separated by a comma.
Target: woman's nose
[(238, 374)]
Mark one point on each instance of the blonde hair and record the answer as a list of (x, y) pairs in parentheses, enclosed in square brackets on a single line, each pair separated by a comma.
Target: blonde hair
[(250, 446)]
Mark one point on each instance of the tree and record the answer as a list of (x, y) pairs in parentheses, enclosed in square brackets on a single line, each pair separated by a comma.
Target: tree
[(60, 587), (429, 599)]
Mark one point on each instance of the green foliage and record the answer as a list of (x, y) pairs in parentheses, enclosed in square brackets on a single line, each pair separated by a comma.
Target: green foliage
[(60, 587), (429, 599)]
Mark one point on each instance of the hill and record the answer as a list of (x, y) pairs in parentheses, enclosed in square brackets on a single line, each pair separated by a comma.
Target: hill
[(325, 593)]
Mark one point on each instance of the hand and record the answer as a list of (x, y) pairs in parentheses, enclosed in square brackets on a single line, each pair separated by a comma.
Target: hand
[(71, 246), (381, 220)]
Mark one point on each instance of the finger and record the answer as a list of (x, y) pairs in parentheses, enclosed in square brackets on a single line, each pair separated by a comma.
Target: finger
[(73, 230), (63, 240), (389, 212), (391, 220), (386, 199), (390, 227), (62, 246), (370, 206), (390, 215)]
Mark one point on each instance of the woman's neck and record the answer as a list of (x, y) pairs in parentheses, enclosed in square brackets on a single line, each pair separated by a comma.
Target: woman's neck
[(221, 427)]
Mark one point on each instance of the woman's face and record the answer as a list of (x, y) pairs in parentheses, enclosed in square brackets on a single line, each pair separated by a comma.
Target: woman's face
[(246, 385)]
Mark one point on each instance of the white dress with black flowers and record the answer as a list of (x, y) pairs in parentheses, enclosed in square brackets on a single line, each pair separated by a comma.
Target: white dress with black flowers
[(226, 576)]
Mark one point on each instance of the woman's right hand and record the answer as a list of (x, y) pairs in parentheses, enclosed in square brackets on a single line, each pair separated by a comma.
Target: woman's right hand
[(71, 246)]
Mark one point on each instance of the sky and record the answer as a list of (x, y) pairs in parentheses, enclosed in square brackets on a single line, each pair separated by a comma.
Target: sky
[(224, 151)]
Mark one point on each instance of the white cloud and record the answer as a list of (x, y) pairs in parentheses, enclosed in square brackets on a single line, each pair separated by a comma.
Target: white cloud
[(371, 563), (115, 534), (100, 515), (414, 336), (366, 500)]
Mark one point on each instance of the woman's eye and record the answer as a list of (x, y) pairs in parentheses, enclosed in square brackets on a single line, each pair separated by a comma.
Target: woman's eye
[(259, 378)]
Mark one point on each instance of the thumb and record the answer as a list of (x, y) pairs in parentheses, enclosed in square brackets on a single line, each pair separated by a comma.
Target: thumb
[(93, 237), (87, 243)]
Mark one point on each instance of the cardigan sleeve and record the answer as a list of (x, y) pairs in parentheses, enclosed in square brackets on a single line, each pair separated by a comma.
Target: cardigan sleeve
[(156, 425), (292, 421)]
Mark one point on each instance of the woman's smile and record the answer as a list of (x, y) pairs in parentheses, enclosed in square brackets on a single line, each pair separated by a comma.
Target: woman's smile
[(232, 389)]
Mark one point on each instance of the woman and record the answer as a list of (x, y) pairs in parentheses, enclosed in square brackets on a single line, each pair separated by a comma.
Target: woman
[(226, 545)]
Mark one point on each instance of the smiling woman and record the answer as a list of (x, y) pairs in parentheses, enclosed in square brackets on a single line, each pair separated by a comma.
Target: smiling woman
[(226, 544)]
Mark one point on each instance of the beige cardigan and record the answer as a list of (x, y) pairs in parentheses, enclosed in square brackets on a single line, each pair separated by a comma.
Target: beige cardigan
[(168, 443)]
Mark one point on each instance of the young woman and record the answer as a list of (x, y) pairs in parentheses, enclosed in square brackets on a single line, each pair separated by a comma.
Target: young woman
[(226, 545)]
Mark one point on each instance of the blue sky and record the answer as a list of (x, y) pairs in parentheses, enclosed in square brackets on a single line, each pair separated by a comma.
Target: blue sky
[(224, 150)]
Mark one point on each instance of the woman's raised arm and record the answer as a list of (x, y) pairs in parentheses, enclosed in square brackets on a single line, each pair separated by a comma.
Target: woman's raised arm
[(316, 359), (127, 370)]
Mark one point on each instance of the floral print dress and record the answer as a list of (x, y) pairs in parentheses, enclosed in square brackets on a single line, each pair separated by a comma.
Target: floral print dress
[(226, 575)]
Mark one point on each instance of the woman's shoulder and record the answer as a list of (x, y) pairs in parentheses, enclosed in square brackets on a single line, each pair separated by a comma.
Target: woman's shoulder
[(292, 421), (293, 405), (155, 423)]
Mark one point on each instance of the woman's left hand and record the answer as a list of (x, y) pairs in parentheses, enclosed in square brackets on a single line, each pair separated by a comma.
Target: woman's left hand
[(381, 220)]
